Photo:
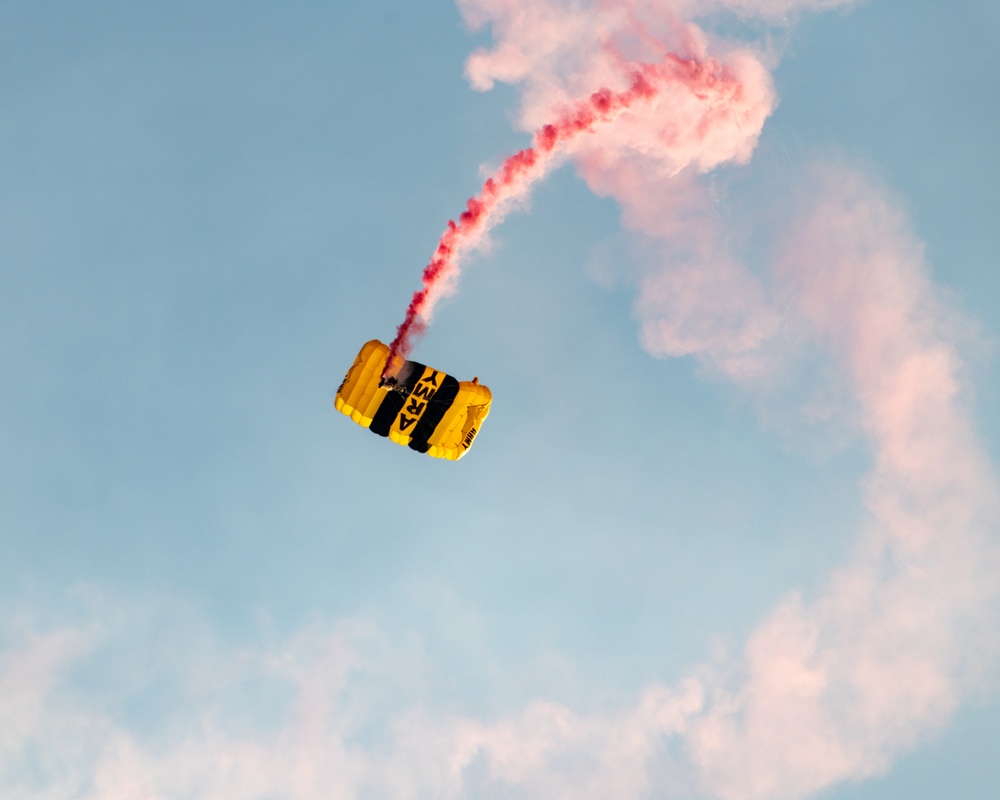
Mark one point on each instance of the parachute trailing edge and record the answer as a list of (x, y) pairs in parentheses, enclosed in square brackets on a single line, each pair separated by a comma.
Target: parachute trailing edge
[(413, 405)]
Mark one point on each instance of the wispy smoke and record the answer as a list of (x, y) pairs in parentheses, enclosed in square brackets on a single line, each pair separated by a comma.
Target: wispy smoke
[(666, 98), (833, 687)]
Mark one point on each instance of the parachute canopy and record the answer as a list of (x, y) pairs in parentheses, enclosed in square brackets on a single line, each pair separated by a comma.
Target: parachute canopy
[(414, 405)]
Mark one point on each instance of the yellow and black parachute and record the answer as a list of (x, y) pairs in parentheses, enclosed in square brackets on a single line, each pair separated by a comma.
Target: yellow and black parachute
[(415, 405)]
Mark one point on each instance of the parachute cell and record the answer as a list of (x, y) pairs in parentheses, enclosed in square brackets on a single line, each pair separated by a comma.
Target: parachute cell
[(414, 405)]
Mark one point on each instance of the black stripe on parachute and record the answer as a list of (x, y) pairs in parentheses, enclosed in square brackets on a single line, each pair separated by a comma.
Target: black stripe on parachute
[(394, 401), (438, 404)]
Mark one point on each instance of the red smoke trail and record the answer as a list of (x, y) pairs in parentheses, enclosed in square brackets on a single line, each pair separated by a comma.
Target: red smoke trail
[(705, 78)]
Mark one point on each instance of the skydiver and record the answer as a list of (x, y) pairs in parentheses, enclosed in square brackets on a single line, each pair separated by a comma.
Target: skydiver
[(394, 385)]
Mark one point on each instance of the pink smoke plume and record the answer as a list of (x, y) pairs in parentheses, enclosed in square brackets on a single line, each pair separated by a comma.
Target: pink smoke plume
[(716, 98)]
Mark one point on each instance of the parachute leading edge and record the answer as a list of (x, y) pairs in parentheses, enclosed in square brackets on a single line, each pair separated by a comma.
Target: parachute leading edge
[(414, 405)]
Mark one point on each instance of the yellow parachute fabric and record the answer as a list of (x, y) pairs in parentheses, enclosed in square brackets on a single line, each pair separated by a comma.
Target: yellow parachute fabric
[(416, 406)]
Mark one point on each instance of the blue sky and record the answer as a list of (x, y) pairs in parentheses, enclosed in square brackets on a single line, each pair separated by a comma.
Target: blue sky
[(205, 210)]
